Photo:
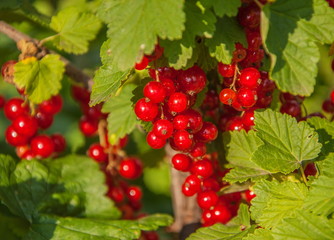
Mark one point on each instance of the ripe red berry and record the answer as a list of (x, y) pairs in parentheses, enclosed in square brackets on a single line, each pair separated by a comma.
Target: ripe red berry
[(249, 195), (191, 185), (28, 155), (146, 110), (42, 146), (15, 107), (249, 16), (163, 128), (181, 162), (80, 94), (130, 168), (254, 40), (310, 170), (198, 150), (292, 108), (59, 142), (207, 199), (88, 126), (182, 140), (226, 70), (248, 118), (227, 96), (221, 214), (14, 138), (52, 106), (155, 91), (195, 120), (208, 132), (328, 106), (246, 97), (116, 193), (235, 124), (203, 168), (168, 85), (192, 80), (25, 125), (92, 112), (134, 193), (177, 102), (154, 141), (180, 122), (249, 77), (163, 73), (142, 64), (210, 183), (44, 120), (96, 152)]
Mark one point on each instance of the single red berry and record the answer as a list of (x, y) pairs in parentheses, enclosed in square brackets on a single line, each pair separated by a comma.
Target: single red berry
[(96, 152), (25, 125), (180, 122), (208, 132), (44, 120), (239, 54), (254, 40), (116, 194), (181, 162), (182, 139), (42, 146), (249, 77), (88, 126), (237, 106), (203, 168), (130, 168), (14, 138), (207, 218), (155, 91), (292, 108), (80, 94), (177, 102), (52, 106), (207, 199), (59, 142), (191, 185), (198, 150), (264, 99), (226, 70), (249, 195), (246, 97), (227, 96), (248, 118), (146, 110), (227, 82), (168, 85), (142, 64), (28, 155), (192, 80), (249, 16), (134, 193), (195, 120), (150, 235), (235, 124), (92, 112), (221, 214), (154, 141), (266, 84), (15, 107), (328, 106), (163, 128), (310, 170), (20, 150), (210, 183)]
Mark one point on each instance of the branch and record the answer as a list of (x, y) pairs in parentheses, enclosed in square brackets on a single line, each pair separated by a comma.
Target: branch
[(72, 71)]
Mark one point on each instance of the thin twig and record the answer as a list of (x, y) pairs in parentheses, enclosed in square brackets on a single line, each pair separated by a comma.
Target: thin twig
[(72, 71)]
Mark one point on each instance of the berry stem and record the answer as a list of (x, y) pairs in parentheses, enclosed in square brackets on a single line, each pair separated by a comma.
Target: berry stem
[(302, 173), (236, 71), (102, 132)]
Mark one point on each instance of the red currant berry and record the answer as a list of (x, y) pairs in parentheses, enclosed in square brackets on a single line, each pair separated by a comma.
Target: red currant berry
[(286, 97), (14, 138), (14, 108), (52, 106), (249, 77), (310, 170), (44, 120), (210, 184), (181, 162), (249, 195), (249, 16), (163, 73), (248, 118), (237, 106), (96, 152), (28, 155), (42, 146), (207, 199), (180, 122), (328, 106), (207, 218), (134, 193), (142, 64), (226, 70), (177, 102), (59, 142), (88, 126), (154, 141), (221, 214), (116, 194), (25, 125), (191, 185), (227, 96), (254, 40), (168, 85), (198, 150), (155, 91), (246, 97), (192, 80), (130, 168), (80, 94), (203, 168), (146, 110), (208, 132), (182, 140), (195, 120), (163, 128), (235, 124), (292, 108), (92, 112), (20, 150), (239, 54)]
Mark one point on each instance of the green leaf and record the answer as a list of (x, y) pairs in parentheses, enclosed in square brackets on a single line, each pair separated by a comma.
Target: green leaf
[(107, 80), (286, 142), (239, 148), (223, 7), (157, 179), (134, 28), (10, 4), (291, 32), (52, 227), (304, 226), (121, 119), (11, 227), (74, 30), (40, 78), (275, 201), (219, 232), (243, 217), (222, 44), (260, 234)]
